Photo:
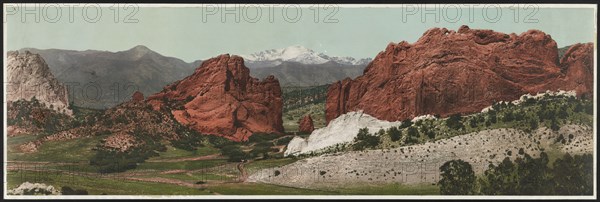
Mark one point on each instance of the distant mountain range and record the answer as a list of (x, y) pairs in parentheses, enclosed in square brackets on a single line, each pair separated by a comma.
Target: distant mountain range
[(300, 66), (298, 74), (298, 54), (101, 79)]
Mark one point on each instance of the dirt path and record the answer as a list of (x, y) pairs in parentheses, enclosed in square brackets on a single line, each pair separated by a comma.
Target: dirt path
[(243, 172), (207, 157), (165, 180)]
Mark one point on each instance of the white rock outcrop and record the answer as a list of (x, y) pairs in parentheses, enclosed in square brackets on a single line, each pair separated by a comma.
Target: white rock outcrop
[(339, 131), (28, 76), (28, 188)]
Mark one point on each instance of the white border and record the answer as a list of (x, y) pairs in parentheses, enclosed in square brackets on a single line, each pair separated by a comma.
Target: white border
[(5, 32)]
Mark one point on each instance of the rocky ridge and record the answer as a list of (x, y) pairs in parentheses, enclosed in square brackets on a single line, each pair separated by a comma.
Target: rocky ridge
[(447, 72)]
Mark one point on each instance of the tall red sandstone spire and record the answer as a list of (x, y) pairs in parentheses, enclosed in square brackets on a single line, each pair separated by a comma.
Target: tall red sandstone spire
[(221, 98)]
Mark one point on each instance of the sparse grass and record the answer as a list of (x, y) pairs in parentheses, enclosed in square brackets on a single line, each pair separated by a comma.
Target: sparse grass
[(74, 150), (173, 152), (183, 165), (268, 163), (197, 176), (262, 189), (388, 189), (96, 186)]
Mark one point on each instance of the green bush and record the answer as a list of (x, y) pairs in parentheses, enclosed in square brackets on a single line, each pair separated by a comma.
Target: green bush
[(65, 190), (455, 122), (394, 134), (234, 153), (365, 140), (457, 178)]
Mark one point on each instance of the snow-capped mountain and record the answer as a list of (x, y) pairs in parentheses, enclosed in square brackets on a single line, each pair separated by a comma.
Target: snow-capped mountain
[(346, 60), (300, 54)]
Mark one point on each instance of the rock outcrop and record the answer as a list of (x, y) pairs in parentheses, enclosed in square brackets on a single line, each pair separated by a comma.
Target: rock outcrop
[(464, 71), (221, 98), (306, 124), (137, 96), (29, 77), (341, 130)]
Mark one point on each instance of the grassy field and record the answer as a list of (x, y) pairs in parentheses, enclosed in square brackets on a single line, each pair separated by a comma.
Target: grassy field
[(183, 165), (268, 163), (262, 189), (173, 152), (118, 186), (75, 150), (97, 186), (194, 177), (388, 189)]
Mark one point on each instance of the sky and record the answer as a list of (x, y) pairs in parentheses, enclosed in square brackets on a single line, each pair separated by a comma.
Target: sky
[(205, 31)]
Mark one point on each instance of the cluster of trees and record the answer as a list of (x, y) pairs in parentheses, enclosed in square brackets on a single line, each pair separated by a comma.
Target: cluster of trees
[(455, 122), (189, 139), (108, 160), (365, 140), (234, 153), (569, 175), (295, 99), (412, 132), (550, 111), (260, 145), (32, 113)]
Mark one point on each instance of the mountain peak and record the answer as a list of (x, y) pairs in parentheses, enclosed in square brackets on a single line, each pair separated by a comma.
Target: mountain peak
[(300, 54), (139, 51), (140, 48)]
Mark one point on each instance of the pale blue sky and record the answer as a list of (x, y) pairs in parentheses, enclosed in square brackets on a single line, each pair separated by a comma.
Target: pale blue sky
[(359, 32)]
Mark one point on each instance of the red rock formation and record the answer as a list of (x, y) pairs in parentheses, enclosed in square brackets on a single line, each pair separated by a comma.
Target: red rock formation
[(306, 124), (577, 66), (221, 98), (447, 72), (137, 96)]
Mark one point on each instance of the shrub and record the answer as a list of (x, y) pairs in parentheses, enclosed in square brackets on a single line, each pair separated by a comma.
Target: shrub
[(412, 135), (364, 140), (234, 153), (454, 122), (394, 134), (405, 124), (457, 178), (65, 190)]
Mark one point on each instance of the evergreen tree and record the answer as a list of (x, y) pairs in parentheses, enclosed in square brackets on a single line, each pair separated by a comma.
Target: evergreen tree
[(457, 178)]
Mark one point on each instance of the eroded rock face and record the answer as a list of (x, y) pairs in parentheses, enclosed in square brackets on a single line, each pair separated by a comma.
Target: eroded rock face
[(221, 98), (464, 71), (29, 77), (306, 124), (577, 65)]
